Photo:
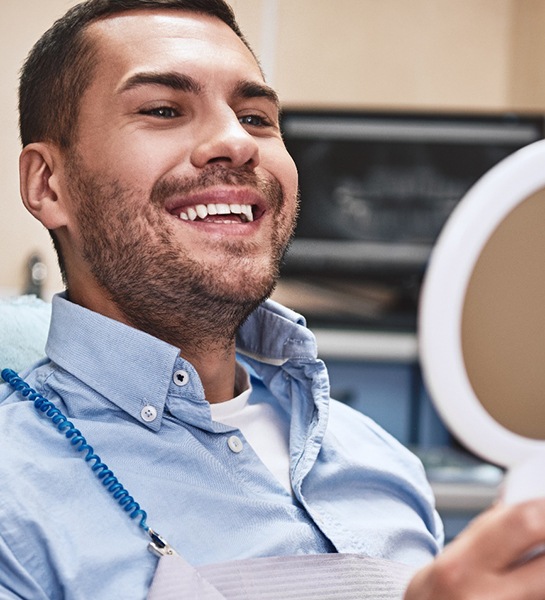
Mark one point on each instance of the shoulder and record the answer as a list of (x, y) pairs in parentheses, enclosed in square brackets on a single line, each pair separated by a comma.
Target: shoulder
[(31, 439), (371, 448), (357, 428)]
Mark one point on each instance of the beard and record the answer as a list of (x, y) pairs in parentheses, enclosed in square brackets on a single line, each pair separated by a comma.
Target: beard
[(134, 252)]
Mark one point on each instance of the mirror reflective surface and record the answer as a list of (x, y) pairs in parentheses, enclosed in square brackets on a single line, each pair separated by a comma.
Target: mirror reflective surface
[(503, 321)]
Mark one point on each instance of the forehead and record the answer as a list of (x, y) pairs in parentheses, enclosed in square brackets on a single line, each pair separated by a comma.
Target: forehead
[(169, 39)]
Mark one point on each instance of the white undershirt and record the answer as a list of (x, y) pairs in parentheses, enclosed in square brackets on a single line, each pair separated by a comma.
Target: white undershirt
[(262, 425)]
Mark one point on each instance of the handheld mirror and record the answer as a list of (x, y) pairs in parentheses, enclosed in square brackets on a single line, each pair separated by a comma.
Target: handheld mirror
[(482, 321)]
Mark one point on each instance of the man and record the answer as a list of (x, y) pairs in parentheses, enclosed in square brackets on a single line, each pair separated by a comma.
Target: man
[(153, 155)]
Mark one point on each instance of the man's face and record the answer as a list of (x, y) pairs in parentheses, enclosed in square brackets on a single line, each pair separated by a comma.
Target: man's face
[(180, 179)]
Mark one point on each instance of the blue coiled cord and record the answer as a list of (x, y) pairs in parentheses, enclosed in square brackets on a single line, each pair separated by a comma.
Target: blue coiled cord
[(58, 419)]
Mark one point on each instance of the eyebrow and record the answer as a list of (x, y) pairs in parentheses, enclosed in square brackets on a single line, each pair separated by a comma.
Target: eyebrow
[(253, 89), (175, 81), (186, 83)]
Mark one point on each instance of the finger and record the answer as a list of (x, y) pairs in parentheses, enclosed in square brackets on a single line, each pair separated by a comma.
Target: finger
[(502, 536), (453, 576), (526, 581), (484, 561)]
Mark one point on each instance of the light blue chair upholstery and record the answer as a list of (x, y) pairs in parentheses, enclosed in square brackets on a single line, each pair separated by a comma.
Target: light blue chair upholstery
[(24, 324)]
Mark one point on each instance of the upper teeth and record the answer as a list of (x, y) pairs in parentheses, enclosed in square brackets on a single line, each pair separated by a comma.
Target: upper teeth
[(190, 213)]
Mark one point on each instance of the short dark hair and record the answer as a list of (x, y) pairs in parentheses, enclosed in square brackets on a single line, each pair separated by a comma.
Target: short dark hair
[(60, 66)]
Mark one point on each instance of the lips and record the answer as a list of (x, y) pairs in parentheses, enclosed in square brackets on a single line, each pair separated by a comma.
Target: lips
[(219, 205), (217, 212)]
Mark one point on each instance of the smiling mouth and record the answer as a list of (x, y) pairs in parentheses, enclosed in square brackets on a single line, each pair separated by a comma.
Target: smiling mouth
[(218, 213)]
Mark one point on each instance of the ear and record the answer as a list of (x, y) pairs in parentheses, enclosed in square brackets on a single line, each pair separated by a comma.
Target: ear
[(41, 170)]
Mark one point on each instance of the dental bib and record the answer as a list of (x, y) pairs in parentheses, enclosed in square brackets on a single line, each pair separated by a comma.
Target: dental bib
[(305, 577)]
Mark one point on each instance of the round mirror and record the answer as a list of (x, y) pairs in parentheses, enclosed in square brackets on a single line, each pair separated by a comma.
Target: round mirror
[(482, 315)]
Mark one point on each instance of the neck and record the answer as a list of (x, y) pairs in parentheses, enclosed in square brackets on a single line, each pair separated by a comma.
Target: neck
[(205, 336), (216, 369), (207, 340)]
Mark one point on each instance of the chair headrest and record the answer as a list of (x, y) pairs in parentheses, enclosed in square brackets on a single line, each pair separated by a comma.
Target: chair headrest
[(24, 325)]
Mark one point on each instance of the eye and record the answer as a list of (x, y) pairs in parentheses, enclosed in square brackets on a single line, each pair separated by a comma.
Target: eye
[(254, 121), (161, 112)]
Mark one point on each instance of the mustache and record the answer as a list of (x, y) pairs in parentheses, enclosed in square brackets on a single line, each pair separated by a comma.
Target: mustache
[(214, 176)]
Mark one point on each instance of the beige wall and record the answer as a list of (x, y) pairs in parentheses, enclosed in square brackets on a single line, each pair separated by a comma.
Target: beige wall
[(21, 24), (461, 55), (485, 55), (422, 54), (527, 59)]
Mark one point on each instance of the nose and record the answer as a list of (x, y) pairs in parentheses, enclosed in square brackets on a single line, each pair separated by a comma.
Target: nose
[(224, 140)]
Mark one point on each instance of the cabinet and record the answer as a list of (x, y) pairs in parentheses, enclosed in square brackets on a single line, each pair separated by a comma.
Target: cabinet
[(467, 55)]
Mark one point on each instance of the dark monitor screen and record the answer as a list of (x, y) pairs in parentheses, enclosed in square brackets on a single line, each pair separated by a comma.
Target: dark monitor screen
[(376, 189)]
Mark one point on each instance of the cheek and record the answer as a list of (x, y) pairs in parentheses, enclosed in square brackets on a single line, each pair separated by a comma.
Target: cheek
[(136, 159), (281, 165), (291, 188), (138, 165)]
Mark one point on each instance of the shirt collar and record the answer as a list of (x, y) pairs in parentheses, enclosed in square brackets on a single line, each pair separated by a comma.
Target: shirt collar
[(275, 334), (105, 354)]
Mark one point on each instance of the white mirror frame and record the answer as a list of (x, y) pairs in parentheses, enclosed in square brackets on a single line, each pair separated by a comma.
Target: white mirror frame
[(452, 262)]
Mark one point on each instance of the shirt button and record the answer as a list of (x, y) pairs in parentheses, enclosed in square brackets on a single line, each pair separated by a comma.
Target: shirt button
[(148, 413), (235, 444), (181, 377)]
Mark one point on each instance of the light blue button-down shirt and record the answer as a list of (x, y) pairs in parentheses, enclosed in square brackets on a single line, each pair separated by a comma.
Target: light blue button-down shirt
[(62, 535)]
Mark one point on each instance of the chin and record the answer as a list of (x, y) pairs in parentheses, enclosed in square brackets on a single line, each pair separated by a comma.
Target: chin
[(250, 292), (247, 286)]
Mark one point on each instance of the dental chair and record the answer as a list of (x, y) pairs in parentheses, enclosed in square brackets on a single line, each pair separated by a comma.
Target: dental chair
[(24, 323)]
